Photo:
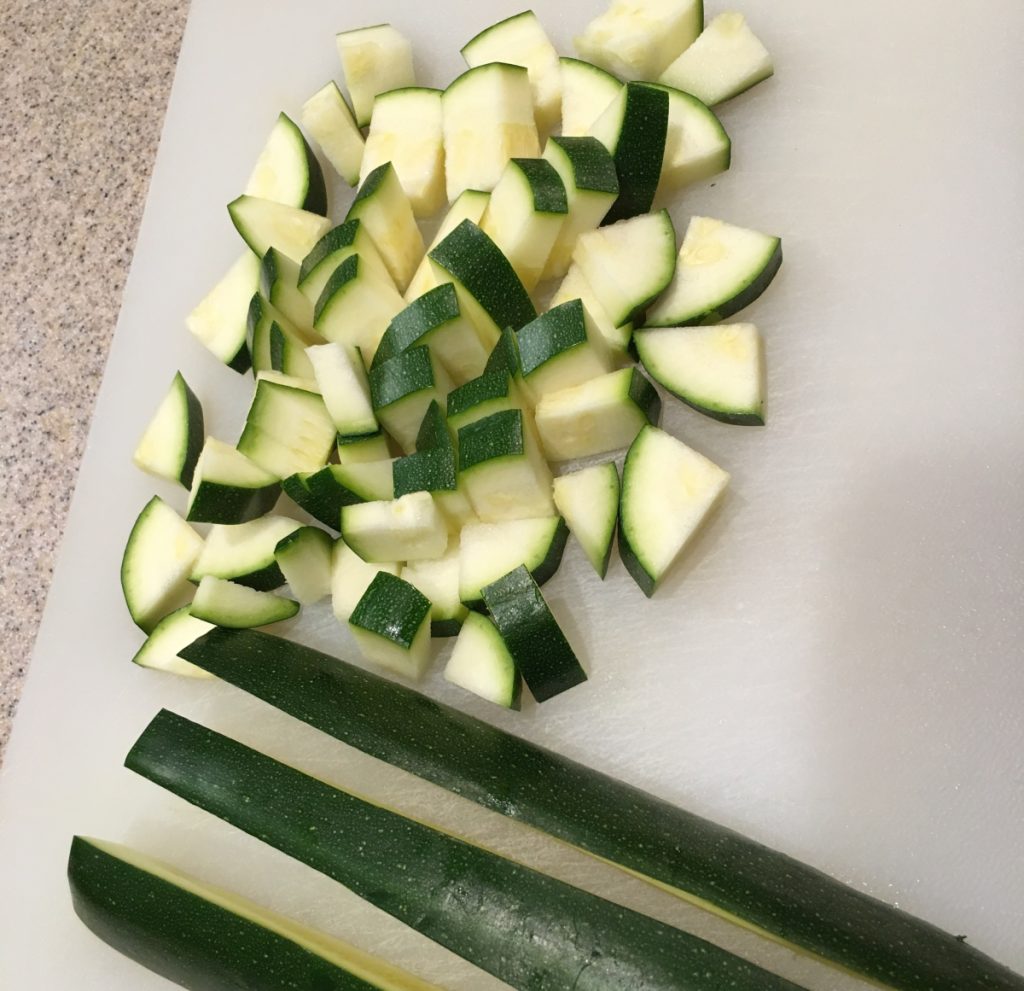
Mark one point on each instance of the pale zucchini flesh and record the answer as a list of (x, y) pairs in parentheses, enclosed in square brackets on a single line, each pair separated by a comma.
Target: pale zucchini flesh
[(219, 321), (287, 171), (351, 577), (330, 123), (169, 637), (587, 90), (482, 664), (374, 60), (238, 607), (588, 500), (170, 446)]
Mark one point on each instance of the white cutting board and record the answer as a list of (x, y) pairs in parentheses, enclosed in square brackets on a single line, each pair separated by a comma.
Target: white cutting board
[(836, 669)]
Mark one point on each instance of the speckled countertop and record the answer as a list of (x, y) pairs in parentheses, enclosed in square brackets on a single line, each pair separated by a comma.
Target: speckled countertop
[(85, 87)]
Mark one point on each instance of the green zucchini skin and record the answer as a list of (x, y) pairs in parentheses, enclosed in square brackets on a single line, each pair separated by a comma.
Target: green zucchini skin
[(185, 938), (639, 151), (526, 928), (792, 901)]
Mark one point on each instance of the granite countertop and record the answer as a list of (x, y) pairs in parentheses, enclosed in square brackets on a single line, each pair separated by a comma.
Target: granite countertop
[(84, 94)]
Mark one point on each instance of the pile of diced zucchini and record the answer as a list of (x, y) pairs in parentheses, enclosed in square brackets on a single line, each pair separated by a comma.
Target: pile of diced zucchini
[(413, 401)]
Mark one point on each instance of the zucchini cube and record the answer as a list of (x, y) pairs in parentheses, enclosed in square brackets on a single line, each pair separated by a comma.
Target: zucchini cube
[(407, 529), (391, 625), (401, 390)]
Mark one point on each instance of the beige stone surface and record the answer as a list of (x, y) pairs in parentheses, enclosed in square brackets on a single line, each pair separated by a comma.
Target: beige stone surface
[(82, 99)]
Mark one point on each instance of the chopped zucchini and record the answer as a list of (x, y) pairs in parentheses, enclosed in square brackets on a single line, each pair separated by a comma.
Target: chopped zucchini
[(438, 580), (330, 123), (225, 603), (410, 528), (587, 90), (375, 60), (244, 552), (345, 389), (363, 448), (588, 500), (401, 390), (576, 286), (391, 625), (304, 557), (172, 634), (696, 145), (219, 321), (264, 224), (481, 663), (323, 260), (351, 577), (287, 170), (229, 487), (169, 448)]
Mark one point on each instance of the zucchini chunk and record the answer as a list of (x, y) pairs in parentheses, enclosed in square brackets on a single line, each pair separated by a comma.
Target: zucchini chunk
[(576, 286), (718, 370), (332, 126), (385, 210), (696, 145), (482, 664), (726, 60), (667, 491), (219, 321), (349, 238), (162, 647), (488, 119), (522, 40), (406, 131), (588, 500), (345, 389), (169, 448), (279, 286), (720, 270), (244, 552), (229, 487), (470, 204), (237, 607), (374, 60), (488, 551), (401, 390), (304, 557), (489, 393), (351, 577), (362, 448), (587, 90), (264, 224), (456, 893), (275, 342), (634, 129), (391, 626), (438, 580), (639, 41), (160, 553), (287, 171), (601, 415), (410, 528), (200, 936), (505, 473)]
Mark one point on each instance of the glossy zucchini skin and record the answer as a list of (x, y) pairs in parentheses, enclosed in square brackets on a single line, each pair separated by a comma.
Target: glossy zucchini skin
[(185, 938), (734, 875), (526, 928)]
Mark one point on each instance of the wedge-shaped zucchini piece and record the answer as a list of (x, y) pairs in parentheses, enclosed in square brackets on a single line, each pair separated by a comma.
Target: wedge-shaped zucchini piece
[(481, 663), (601, 415), (717, 370), (356, 306), (277, 345), (229, 487), (304, 557), (391, 625), (587, 90), (287, 428), (521, 40), (401, 390), (438, 580), (667, 491), (490, 393), (562, 348), (634, 129), (329, 121), (264, 224), (629, 263), (689, 856), (244, 552), (279, 286), (219, 321), (696, 145), (470, 204), (591, 185), (527, 210), (173, 633), (488, 551), (726, 60), (375, 60), (720, 270), (488, 119), (576, 286), (504, 471), (343, 384), (639, 41), (287, 170), (200, 936), (169, 448), (237, 607), (363, 447), (588, 500), (351, 577), (349, 238), (158, 557), (384, 209), (456, 893), (322, 493), (533, 637), (410, 528), (406, 131), (435, 319)]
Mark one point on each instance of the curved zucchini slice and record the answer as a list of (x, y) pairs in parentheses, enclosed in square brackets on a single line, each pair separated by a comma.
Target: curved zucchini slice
[(287, 171), (687, 855), (482, 664), (587, 90), (264, 224), (719, 370), (170, 446), (161, 551), (220, 322), (696, 145), (225, 603), (244, 552), (173, 633), (229, 487), (588, 499), (201, 936), (720, 270), (457, 893)]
